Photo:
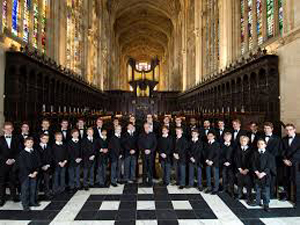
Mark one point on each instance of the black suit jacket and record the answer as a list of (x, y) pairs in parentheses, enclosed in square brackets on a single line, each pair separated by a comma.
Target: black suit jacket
[(181, 148), (219, 136), (115, 148), (213, 152), (243, 159), (68, 136), (6, 152), (129, 142), (236, 141), (274, 145), (291, 152), (257, 136), (147, 141), (203, 133), (196, 150), (88, 149)]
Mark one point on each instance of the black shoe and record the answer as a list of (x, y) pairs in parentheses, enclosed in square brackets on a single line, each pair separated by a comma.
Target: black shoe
[(114, 185), (266, 208), (181, 187), (214, 192), (240, 196), (249, 202), (208, 190), (2, 202), (16, 199), (200, 188), (35, 204), (86, 188), (150, 184)]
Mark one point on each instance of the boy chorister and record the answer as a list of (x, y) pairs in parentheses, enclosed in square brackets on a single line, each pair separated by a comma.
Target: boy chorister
[(180, 155), (23, 135), (262, 165), (81, 128), (147, 144), (116, 154), (75, 158), (46, 159), (28, 166), (226, 164), (9, 150), (102, 158), (212, 155), (165, 148), (45, 129), (291, 160), (243, 156), (195, 159), (64, 129), (129, 142), (60, 158), (88, 149)]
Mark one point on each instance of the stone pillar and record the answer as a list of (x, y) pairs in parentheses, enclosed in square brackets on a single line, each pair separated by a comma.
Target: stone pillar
[(254, 26), (2, 82), (198, 41)]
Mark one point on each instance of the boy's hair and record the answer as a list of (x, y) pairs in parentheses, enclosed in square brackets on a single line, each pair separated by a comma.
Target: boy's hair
[(44, 135), (90, 128), (253, 122), (45, 120), (244, 137), (74, 131), (25, 123), (165, 127), (179, 128), (237, 121), (227, 134), (28, 139), (64, 120), (195, 131), (269, 124), (57, 134), (290, 125), (261, 139), (8, 123), (211, 132)]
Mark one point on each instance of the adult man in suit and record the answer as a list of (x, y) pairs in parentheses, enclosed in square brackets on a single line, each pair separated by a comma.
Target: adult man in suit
[(291, 160), (98, 128), (9, 150), (220, 131), (25, 133), (81, 128), (237, 132), (205, 130), (45, 129)]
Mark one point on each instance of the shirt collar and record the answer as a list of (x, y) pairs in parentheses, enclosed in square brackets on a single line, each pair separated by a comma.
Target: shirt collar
[(227, 143), (195, 139), (58, 143), (28, 149), (262, 150), (165, 135), (75, 140)]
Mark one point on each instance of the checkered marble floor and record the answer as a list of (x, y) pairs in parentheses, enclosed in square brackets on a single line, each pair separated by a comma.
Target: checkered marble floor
[(134, 204)]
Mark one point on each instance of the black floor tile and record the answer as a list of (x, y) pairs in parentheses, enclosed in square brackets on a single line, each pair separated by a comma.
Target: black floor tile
[(166, 214), (185, 214), (126, 215), (146, 215)]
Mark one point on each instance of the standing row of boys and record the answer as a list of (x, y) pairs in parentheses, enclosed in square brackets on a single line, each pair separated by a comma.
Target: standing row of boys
[(53, 161)]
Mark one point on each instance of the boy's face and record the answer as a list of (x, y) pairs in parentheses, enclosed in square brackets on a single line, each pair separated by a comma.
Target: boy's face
[(206, 124), (253, 127), (25, 128), (193, 121), (149, 119), (178, 132), (28, 144), (147, 128), (75, 135), (178, 120), (116, 122), (104, 133), (261, 145), (8, 129), (45, 125), (44, 139), (227, 138), (90, 132), (166, 120), (195, 135), (58, 137), (132, 119), (80, 123), (64, 124), (244, 141), (236, 125), (118, 130), (290, 131), (165, 131), (210, 137), (99, 123), (221, 124), (268, 129)]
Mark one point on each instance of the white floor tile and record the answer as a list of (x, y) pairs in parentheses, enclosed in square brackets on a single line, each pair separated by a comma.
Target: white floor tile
[(10, 205), (281, 221), (145, 205), (145, 190), (182, 205), (110, 205), (274, 203), (146, 222)]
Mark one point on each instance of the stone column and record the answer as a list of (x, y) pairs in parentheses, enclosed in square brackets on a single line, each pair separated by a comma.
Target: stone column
[(2, 82), (254, 26)]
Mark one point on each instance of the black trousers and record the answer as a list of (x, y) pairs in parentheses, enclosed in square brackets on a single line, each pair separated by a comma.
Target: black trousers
[(244, 181), (28, 191), (44, 181), (292, 179), (148, 168), (7, 175)]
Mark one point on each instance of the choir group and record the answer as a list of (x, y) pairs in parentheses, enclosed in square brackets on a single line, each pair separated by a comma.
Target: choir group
[(80, 158)]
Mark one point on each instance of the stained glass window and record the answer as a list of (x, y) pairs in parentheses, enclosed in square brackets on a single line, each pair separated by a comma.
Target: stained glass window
[(280, 7), (44, 24), (242, 27), (15, 14), (26, 19), (270, 17), (259, 21), (250, 24), (4, 15), (35, 24)]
